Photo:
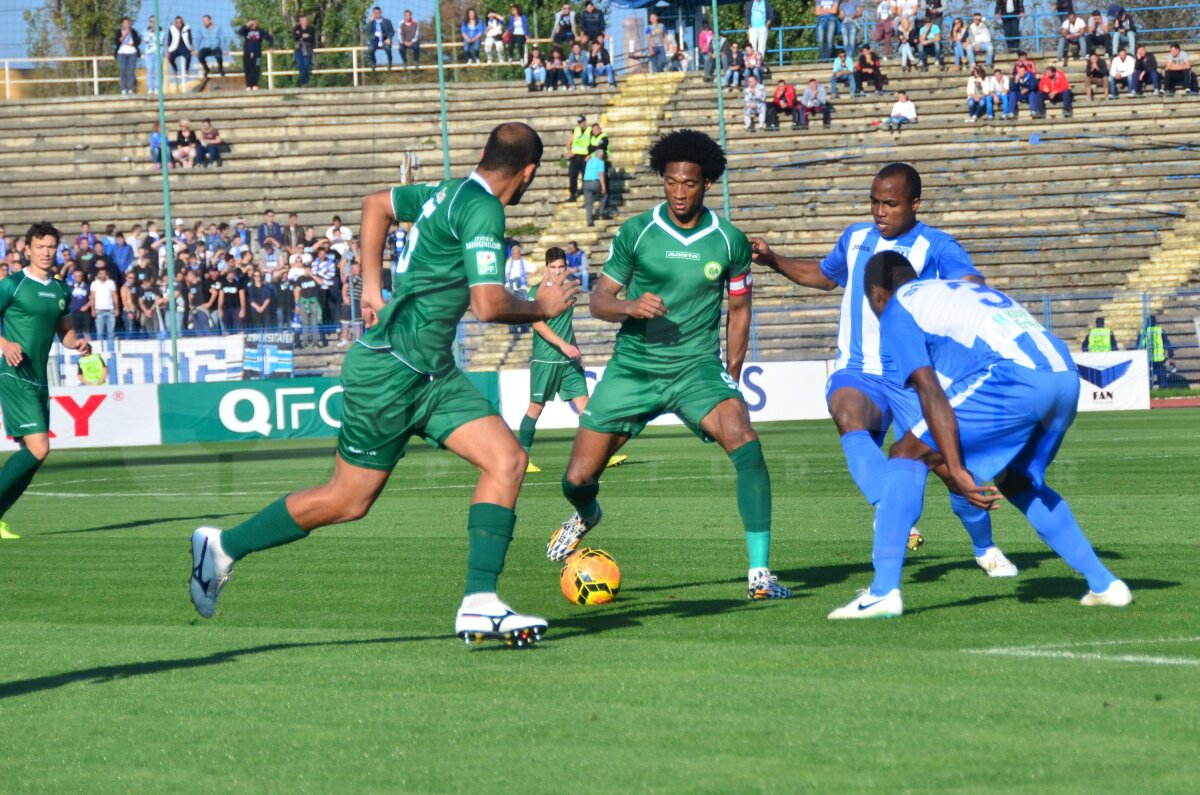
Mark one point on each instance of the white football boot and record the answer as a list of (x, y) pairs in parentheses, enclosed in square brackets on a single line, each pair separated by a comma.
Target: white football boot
[(211, 568), (996, 564), (484, 616), (564, 540), (765, 585), (1116, 595), (867, 606)]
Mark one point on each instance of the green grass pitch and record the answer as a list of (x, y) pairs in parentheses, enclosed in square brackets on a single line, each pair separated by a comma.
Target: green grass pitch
[(331, 666)]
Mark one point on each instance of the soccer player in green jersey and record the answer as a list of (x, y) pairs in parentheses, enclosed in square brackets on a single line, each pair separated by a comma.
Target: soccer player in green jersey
[(675, 264), (400, 380), (34, 308), (555, 368)]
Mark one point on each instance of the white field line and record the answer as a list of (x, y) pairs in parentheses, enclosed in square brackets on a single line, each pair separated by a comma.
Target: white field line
[(1060, 651)]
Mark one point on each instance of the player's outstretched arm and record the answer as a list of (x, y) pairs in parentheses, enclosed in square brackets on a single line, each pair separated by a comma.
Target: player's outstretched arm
[(943, 426), (804, 272), (491, 303), (606, 306), (737, 333)]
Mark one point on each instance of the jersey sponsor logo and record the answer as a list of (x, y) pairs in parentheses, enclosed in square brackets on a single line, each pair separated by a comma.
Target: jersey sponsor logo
[(483, 241), (42, 294), (485, 262), (682, 255), (712, 271)]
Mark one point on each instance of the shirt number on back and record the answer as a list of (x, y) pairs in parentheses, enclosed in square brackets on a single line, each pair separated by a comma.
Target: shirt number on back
[(410, 245), (995, 299)]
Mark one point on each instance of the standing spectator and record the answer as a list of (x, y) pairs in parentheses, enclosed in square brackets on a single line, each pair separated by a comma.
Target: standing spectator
[(1064, 7), (187, 146), (1123, 69), (595, 186), (997, 93), (600, 63), (351, 313), (308, 305), (1024, 88), (907, 9), (1055, 88), (535, 70), (180, 49), (1146, 69), (1100, 339), (1096, 74), (252, 39), (842, 72), (269, 230), (591, 21), (655, 47), (130, 314), (563, 30), (1155, 342), (126, 49), (150, 302), (827, 24), (122, 253), (210, 43), (104, 296), (885, 26), (907, 36), (81, 303), (868, 70), (577, 151), (339, 236), (472, 36), (1010, 13), (851, 12), (293, 233), (210, 144), (231, 303), (517, 30), (577, 67), (754, 104), (410, 41), (751, 64), (260, 296), (493, 37), (4, 244), (976, 95), (903, 112), (705, 43), (814, 100), (783, 102), (598, 140), (152, 47), (981, 40), (1097, 34), (929, 39), (325, 268), (1178, 71), (1121, 25), (305, 37), (379, 33), (735, 67), (933, 11), (577, 264), (1070, 37), (516, 277), (958, 41)]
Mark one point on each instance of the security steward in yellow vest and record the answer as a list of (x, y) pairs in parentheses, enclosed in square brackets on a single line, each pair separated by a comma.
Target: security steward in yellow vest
[(1154, 341), (577, 150), (1100, 339), (598, 140)]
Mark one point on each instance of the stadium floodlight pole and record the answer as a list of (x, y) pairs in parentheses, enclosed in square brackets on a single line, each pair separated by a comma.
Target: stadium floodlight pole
[(716, 48), (164, 165), (437, 27)]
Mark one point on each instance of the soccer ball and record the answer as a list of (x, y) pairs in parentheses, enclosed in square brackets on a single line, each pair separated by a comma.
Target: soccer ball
[(590, 577)]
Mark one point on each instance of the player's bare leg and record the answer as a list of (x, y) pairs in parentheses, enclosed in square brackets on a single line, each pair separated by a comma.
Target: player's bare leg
[(580, 403), (728, 424), (589, 456), (489, 446), (18, 473)]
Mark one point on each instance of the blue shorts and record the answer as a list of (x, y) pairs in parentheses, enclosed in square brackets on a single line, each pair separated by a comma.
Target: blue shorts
[(894, 402), (1010, 418)]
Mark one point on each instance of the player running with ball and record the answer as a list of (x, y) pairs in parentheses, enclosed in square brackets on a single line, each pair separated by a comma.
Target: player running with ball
[(675, 263), (401, 381), (34, 307)]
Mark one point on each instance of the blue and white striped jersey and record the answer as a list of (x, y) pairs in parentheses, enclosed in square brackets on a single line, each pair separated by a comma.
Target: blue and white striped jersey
[(961, 328), (933, 253)]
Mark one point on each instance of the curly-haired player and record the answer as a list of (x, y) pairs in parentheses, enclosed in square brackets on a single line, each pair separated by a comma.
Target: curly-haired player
[(675, 264)]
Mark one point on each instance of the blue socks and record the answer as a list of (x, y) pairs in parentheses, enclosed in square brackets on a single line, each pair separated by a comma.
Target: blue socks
[(867, 464), (977, 522), (900, 508), (1051, 517)]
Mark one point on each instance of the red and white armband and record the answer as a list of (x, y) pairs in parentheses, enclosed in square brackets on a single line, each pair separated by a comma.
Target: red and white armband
[(740, 285)]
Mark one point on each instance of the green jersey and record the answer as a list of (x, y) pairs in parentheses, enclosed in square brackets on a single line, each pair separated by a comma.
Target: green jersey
[(561, 325), (689, 270), (456, 242), (31, 310)]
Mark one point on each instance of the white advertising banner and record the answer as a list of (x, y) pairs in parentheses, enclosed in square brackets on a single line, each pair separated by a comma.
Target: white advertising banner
[(1115, 381), (773, 391), (201, 360), (109, 416)]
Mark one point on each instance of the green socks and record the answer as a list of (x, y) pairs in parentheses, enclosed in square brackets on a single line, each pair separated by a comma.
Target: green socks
[(528, 429), (754, 501), (489, 531), (15, 477), (273, 526), (583, 497)]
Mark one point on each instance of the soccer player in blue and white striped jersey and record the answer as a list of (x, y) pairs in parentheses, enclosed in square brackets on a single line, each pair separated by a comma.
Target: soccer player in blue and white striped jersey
[(1011, 394), (861, 398)]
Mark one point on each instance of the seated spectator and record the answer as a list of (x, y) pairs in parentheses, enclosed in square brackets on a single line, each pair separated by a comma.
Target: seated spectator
[(906, 34), (1097, 34), (210, 145), (735, 67), (577, 264), (1177, 74), (1024, 88), (1121, 25), (1054, 87), (556, 72), (958, 39), (1024, 60), (980, 40), (842, 72), (577, 71), (996, 93), (903, 112), (814, 100), (929, 39), (1124, 70), (187, 146), (156, 142), (1070, 37), (600, 63), (784, 101), (976, 95), (885, 26), (472, 36), (907, 10), (754, 103), (1096, 74), (535, 70), (493, 37), (752, 64), (868, 70), (1145, 69)]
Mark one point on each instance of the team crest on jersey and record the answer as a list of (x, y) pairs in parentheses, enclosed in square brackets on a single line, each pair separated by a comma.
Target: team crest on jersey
[(712, 271), (441, 195), (62, 304)]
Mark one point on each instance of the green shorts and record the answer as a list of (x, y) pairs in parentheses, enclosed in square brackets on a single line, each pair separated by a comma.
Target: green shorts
[(386, 403), (629, 397), (26, 406), (562, 379)]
